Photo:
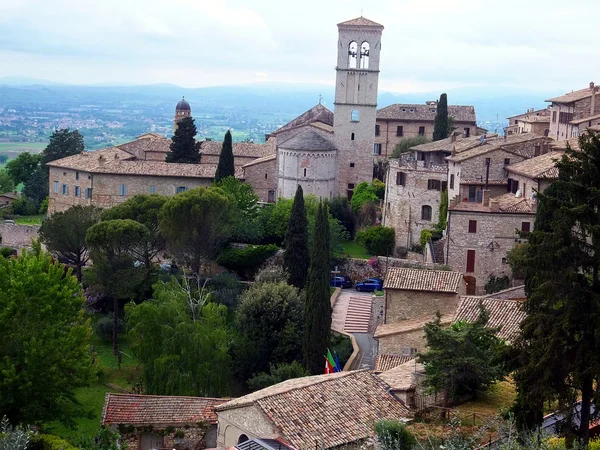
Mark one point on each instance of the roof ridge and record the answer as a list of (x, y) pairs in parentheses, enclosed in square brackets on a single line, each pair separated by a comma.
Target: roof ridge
[(123, 394)]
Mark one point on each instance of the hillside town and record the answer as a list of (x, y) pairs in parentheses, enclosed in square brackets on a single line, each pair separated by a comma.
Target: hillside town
[(366, 278)]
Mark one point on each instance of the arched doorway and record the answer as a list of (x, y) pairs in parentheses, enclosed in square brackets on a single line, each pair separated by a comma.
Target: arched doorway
[(471, 285)]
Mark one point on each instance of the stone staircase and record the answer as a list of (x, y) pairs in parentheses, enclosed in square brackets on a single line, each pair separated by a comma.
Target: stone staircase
[(358, 316)]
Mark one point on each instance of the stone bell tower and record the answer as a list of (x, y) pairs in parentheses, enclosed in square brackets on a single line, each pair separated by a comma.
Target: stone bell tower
[(182, 110), (357, 77)]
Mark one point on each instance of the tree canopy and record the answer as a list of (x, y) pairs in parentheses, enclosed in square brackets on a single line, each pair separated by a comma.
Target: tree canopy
[(407, 143), (317, 310), (62, 143), (556, 355), (36, 187), (44, 352), (184, 148), (69, 247), (296, 258), (22, 167), (197, 223), (6, 182), (464, 360), (226, 167), (363, 193), (181, 353), (440, 123)]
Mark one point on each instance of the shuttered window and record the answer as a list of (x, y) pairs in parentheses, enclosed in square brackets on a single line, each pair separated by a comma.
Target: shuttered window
[(470, 261), (472, 226)]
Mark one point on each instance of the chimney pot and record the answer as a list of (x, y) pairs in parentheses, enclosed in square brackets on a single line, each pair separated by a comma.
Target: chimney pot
[(453, 137), (591, 85), (494, 205)]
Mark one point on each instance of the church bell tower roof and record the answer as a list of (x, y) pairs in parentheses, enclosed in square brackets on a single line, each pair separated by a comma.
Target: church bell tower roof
[(360, 22), (183, 105)]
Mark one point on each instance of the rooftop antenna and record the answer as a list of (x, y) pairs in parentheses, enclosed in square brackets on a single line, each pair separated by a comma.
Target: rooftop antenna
[(361, 12)]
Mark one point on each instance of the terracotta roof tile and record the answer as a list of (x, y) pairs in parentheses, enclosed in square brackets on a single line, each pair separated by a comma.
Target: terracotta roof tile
[(573, 96), (317, 113), (539, 112), (507, 203), (499, 143), (427, 112), (504, 313), (406, 326), (326, 410), (538, 166), (404, 377), (386, 361), (308, 140), (242, 149), (130, 409), (422, 280), (360, 22), (460, 144), (585, 119)]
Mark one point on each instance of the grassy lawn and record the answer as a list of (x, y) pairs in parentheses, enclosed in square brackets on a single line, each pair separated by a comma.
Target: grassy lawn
[(30, 220), (33, 147), (500, 397), (92, 397), (355, 250)]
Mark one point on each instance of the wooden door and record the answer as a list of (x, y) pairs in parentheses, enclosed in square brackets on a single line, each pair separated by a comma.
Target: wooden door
[(151, 441)]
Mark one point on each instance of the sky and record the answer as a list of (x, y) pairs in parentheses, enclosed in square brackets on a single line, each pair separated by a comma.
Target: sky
[(427, 45)]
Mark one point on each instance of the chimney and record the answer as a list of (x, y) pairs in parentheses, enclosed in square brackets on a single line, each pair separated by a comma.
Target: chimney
[(101, 160), (453, 137), (453, 152), (485, 198), (593, 102), (494, 205)]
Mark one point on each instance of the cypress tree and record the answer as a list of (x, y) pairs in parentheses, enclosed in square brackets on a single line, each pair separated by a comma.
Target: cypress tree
[(184, 148), (440, 125), (296, 258), (225, 168), (317, 310)]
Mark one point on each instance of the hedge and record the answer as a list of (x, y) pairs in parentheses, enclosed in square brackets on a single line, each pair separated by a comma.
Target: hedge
[(378, 240), (243, 260)]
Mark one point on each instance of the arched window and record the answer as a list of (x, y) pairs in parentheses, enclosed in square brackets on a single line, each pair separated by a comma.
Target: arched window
[(352, 137), (364, 55), (355, 116), (426, 213), (352, 55), (242, 438)]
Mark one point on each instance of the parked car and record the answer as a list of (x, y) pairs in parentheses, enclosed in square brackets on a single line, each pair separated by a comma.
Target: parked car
[(343, 281), (369, 285)]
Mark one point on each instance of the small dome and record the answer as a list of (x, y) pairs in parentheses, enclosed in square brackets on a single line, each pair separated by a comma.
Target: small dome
[(183, 105)]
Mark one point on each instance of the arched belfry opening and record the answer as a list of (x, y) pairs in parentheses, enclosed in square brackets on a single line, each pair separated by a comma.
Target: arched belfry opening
[(364, 55), (352, 55)]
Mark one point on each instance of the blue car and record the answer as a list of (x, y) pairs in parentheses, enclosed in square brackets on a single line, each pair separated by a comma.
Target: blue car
[(369, 285), (343, 281)]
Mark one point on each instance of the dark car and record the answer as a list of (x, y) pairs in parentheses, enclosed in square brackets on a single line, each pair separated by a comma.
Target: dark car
[(343, 281), (369, 285)]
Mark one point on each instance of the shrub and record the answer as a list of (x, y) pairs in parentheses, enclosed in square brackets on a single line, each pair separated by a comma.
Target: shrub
[(393, 435), (271, 274), (50, 442), (7, 252), (363, 193), (342, 346), (225, 289), (104, 327), (44, 206), (278, 373), (14, 438), (424, 238), (242, 260), (401, 252), (378, 240), (406, 143), (23, 207), (379, 188), (495, 284)]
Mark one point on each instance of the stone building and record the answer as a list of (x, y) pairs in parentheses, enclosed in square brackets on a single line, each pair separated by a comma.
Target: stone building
[(323, 411), (412, 298), (537, 122), (573, 113), (148, 422), (399, 121)]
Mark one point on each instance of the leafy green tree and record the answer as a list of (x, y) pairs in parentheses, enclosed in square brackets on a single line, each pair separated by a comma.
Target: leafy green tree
[(23, 206), (296, 258), (196, 224), (36, 187), (6, 182), (145, 210), (277, 374), (516, 258), (440, 124), (405, 144), (245, 261), (341, 210), (463, 360), (184, 148), (63, 143), (22, 167), (249, 227), (181, 341), (556, 355), (443, 211), (317, 311), (44, 352), (225, 168), (269, 320), (112, 246), (378, 240), (393, 435), (363, 193), (64, 235)]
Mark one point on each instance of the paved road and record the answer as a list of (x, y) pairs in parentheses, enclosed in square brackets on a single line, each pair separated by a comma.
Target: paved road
[(368, 350)]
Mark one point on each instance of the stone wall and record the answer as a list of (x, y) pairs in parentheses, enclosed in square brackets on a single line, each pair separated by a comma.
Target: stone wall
[(495, 236), (262, 176), (106, 187), (394, 343), (17, 236), (404, 203), (193, 435), (360, 269), (402, 305), (313, 170), (248, 420), (388, 132)]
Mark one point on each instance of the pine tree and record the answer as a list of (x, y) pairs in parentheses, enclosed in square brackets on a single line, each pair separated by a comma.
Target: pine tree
[(556, 359), (184, 148), (225, 168), (62, 143), (296, 258), (440, 125), (317, 312)]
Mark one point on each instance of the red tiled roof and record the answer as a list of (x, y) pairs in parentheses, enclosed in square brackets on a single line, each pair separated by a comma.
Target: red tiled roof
[(325, 410), (130, 409), (506, 314), (422, 280), (317, 113)]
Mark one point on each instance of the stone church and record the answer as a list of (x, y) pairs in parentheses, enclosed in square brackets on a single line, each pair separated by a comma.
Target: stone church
[(327, 153)]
